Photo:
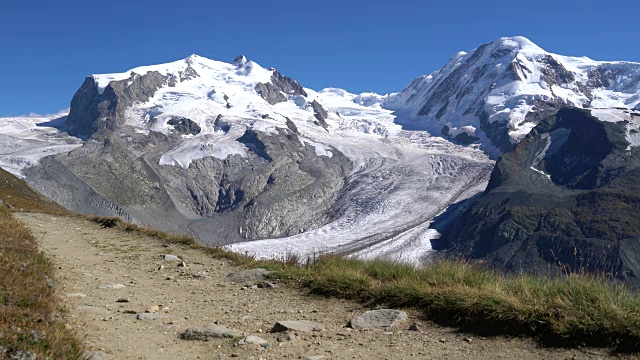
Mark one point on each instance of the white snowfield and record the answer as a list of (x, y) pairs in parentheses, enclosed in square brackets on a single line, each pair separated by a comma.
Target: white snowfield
[(401, 178), (26, 140)]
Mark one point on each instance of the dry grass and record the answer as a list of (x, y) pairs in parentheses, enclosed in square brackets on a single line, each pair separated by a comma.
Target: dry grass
[(30, 312), (17, 196), (573, 311)]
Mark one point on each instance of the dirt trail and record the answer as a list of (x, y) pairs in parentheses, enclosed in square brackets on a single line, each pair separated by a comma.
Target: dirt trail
[(89, 257)]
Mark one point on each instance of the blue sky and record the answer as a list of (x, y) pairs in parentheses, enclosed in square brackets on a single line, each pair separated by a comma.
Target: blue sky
[(47, 48)]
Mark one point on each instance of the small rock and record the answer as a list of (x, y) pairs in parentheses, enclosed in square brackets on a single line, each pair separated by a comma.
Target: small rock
[(169, 278), (265, 285), (251, 340), (76, 295), (50, 283), (112, 286), (387, 333), (208, 332), (297, 325), (152, 309), (201, 274), (315, 357), (165, 245), (123, 300), (160, 267), (467, 339), (167, 257), (129, 312), (151, 316), (443, 340), (288, 336), (414, 327), (182, 264), (376, 319), (248, 275)]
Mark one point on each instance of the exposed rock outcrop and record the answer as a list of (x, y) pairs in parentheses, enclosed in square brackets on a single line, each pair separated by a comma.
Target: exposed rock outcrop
[(564, 200), (279, 88), (92, 111)]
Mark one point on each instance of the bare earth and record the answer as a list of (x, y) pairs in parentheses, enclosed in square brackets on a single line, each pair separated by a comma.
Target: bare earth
[(89, 257)]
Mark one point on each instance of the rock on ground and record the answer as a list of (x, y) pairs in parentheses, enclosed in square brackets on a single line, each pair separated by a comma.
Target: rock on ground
[(249, 275), (151, 316), (252, 340), (297, 325), (112, 286), (207, 332), (378, 319)]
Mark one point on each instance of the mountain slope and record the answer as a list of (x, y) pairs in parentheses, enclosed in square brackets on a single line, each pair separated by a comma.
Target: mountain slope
[(16, 195), (566, 196), (235, 152), (498, 92)]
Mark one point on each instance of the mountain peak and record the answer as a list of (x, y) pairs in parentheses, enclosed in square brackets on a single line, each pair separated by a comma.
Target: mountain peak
[(192, 58), (520, 43), (239, 60)]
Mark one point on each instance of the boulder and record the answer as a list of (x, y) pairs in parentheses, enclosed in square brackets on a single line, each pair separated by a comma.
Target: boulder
[(250, 275), (378, 319), (208, 332)]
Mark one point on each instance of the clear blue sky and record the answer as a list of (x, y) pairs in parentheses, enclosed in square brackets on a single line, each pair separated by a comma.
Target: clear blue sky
[(47, 48)]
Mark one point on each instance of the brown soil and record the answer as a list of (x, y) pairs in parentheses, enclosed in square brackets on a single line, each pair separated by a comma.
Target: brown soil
[(88, 256)]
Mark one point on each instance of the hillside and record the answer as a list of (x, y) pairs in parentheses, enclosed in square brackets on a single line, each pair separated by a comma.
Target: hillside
[(109, 277), (32, 321), (16, 195)]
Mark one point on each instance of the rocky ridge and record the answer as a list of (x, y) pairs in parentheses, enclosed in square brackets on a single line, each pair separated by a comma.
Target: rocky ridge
[(498, 92)]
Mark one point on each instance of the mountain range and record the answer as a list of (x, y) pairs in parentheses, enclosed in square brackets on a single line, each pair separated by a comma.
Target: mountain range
[(241, 155)]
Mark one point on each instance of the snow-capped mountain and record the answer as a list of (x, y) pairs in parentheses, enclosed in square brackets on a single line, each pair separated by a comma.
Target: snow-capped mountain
[(498, 92), (239, 154)]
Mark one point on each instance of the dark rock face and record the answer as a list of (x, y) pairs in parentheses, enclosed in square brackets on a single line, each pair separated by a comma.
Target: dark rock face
[(564, 200), (320, 114), (91, 112), (271, 93), (498, 133), (286, 84), (462, 138), (279, 88), (184, 126)]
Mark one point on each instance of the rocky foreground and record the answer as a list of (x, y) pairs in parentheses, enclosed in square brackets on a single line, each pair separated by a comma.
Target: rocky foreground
[(132, 297)]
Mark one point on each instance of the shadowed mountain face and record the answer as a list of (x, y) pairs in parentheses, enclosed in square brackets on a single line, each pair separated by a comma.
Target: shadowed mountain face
[(567, 195)]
